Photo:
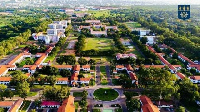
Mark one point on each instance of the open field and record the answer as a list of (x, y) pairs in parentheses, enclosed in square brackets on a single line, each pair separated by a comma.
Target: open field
[(97, 13), (134, 51), (98, 44), (133, 25)]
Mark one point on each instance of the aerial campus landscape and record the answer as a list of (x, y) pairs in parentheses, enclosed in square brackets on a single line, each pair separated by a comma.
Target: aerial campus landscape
[(99, 56)]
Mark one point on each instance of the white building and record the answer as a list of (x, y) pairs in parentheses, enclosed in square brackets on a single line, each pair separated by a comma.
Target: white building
[(85, 67)]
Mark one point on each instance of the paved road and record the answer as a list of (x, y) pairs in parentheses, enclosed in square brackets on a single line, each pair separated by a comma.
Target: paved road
[(108, 75), (98, 78)]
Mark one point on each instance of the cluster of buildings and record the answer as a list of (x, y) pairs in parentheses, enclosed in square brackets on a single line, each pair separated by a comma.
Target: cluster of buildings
[(175, 68), (53, 34), (123, 56), (130, 71), (96, 24), (66, 106)]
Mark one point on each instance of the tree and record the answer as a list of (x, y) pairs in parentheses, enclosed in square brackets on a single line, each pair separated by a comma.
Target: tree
[(133, 105), (70, 59), (1, 109), (92, 62), (23, 89), (65, 73), (180, 109), (60, 60), (193, 71), (144, 40), (52, 80), (8, 93), (31, 81), (55, 93), (2, 89), (82, 61), (188, 91)]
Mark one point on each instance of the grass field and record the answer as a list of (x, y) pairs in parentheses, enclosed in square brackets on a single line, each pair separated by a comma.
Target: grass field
[(105, 94), (97, 13), (133, 24), (98, 44), (134, 51)]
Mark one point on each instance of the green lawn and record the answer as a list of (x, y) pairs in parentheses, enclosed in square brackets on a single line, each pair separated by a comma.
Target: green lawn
[(76, 105), (133, 24), (97, 13), (102, 59), (134, 51), (118, 110), (32, 93), (77, 94), (26, 61), (98, 44), (24, 106), (105, 94), (103, 70), (50, 58), (104, 81)]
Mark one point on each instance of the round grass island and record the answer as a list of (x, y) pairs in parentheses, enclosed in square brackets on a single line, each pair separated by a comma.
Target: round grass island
[(105, 94)]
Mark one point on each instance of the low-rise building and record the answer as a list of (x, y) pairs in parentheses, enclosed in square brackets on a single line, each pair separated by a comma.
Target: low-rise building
[(195, 79), (147, 105), (16, 106), (5, 80), (50, 104), (67, 105), (120, 67), (133, 78), (63, 80), (6, 104), (66, 67), (85, 67), (180, 75), (131, 55)]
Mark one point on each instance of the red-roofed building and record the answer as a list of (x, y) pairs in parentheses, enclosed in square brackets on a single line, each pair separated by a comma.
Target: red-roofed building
[(120, 67), (63, 80), (3, 70), (77, 68), (195, 79), (184, 59), (67, 105), (15, 107), (93, 21), (129, 68), (147, 105), (151, 49), (133, 77), (85, 67), (6, 104), (5, 80), (19, 58), (197, 67), (50, 104), (180, 75), (60, 67), (84, 80)]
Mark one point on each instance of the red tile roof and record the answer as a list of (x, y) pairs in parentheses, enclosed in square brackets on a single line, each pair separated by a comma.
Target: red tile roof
[(39, 61), (63, 79), (62, 66), (84, 79), (5, 78), (92, 21), (6, 103), (195, 77), (129, 67), (151, 49), (67, 105), (185, 58), (85, 66), (76, 68), (195, 66), (133, 76), (182, 76), (74, 76), (15, 59), (16, 106), (119, 66), (2, 70), (163, 102), (147, 105)]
